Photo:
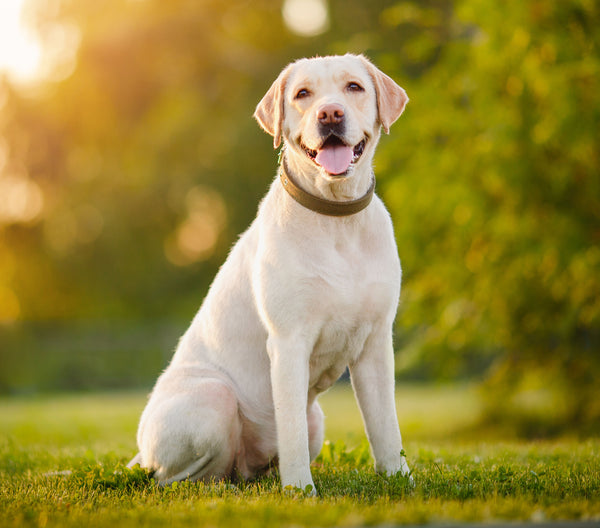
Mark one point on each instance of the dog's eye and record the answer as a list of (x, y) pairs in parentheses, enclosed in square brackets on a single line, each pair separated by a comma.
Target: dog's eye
[(301, 94), (354, 87)]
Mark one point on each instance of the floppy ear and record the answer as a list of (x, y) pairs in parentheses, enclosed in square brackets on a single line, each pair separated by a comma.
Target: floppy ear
[(269, 112), (391, 99)]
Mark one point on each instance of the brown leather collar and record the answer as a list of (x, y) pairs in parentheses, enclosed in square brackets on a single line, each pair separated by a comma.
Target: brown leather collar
[(321, 205)]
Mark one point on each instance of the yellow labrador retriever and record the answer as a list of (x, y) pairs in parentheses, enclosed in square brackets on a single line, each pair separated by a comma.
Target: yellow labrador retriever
[(310, 288)]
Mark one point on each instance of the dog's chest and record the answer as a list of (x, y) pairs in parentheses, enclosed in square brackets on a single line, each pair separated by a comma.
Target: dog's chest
[(338, 345), (355, 288)]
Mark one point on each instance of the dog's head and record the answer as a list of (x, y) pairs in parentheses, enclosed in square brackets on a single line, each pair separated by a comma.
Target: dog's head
[(329, 112)]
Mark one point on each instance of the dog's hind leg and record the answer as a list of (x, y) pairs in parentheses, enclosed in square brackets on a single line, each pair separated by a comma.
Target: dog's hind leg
[(192, 435), (316, 429), (195, 471)]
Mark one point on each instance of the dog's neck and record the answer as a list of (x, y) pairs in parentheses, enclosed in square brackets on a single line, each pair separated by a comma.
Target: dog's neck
[(309, 178), (321, 205)]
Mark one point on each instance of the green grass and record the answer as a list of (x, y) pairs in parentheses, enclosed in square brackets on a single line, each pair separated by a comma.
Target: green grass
[(461, 474)]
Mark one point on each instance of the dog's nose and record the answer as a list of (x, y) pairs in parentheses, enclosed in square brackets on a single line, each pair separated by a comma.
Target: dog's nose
[(330, 114)]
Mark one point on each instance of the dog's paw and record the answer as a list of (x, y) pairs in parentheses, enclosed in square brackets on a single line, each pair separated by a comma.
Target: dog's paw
[(405, 471), (397, 468)]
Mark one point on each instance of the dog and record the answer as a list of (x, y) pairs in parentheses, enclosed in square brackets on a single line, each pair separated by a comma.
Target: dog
[(310, 288)]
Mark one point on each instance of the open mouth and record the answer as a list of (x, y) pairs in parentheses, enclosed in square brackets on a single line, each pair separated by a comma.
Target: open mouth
[(334, 155)]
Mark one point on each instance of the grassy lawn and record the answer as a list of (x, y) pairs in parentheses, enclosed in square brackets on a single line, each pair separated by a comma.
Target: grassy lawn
[(461, 474)]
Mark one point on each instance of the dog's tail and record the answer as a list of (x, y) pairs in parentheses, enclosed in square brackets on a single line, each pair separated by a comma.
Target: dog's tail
[(137, 459)]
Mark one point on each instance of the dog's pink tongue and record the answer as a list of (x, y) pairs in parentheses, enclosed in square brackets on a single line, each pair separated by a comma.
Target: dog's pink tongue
[(335, 159)]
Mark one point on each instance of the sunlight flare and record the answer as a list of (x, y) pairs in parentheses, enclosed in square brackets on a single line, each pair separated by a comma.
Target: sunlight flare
[(20, 50), (307, 18)]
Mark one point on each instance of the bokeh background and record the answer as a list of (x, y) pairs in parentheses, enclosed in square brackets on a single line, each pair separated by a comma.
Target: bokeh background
[(129, 164)]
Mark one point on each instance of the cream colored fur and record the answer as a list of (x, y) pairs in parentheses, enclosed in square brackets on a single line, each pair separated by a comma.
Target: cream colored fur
[(300, 297)]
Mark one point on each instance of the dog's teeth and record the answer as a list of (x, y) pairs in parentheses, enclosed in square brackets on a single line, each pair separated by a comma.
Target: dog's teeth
[(358, 150)]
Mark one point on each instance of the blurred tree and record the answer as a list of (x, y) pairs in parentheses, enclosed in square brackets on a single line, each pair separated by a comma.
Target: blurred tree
[(497, 206), (158, 104)]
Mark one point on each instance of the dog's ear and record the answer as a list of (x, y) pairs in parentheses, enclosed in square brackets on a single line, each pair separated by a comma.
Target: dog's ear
[(391, 99), (269, 112)]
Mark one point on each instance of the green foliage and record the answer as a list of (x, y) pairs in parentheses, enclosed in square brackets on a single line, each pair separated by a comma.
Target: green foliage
[(149, 165), (494, 190), (339, 455), (516, 482), (101, 478), (85, 356), (62, 464)]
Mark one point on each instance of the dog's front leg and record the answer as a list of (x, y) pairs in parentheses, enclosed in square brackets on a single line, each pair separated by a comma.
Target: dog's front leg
[(373, 382), (289, 379)]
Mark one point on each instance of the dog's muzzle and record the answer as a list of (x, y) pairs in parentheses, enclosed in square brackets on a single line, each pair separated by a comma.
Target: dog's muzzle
[(334, 155)]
